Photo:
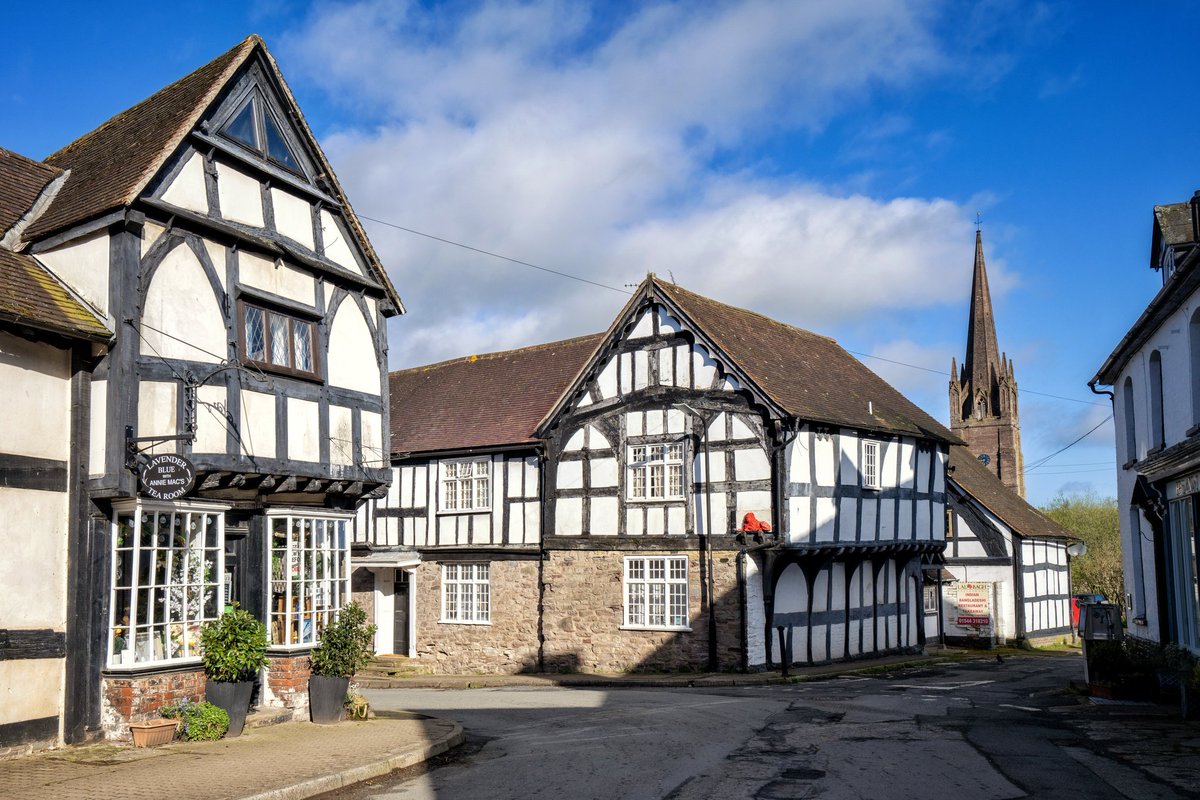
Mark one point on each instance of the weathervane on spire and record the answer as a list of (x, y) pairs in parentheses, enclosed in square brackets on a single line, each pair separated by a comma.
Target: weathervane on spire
[(978, 221)]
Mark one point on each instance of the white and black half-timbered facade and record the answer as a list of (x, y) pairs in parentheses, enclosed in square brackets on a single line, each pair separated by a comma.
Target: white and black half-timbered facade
[(698, 487), (236, 420)]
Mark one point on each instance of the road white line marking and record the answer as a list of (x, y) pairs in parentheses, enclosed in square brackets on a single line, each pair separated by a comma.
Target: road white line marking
[(1019, 708), (950, 687)]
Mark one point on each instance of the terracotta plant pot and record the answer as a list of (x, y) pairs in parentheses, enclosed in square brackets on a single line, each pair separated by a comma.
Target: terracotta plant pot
[(153, 733)]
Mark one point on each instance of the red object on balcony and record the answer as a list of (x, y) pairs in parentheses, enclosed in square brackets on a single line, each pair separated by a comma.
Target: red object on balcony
[(753, 523)]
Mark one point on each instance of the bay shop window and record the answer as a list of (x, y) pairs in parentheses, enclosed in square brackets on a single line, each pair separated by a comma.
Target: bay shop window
[(310, 575), (167, 580)]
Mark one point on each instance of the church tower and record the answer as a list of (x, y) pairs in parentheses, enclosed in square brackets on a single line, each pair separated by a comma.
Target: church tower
[(983, 395)]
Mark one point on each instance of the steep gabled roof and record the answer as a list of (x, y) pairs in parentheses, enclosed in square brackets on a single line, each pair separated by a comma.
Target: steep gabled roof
[(985, 488), (22, 180), (31, 297), (808, 375), (482, 401), (112, 165)]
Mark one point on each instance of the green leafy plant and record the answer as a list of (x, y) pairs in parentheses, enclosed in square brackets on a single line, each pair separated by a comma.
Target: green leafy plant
[(198, 722), (346, 645), (234, 647)]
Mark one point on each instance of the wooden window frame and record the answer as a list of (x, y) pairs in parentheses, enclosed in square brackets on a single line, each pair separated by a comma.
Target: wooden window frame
[(266, 364), (870, 467), (643, 467), (162, 626), (636, 573), (443, 480), (259, 109), (309, 554), (477, 610)]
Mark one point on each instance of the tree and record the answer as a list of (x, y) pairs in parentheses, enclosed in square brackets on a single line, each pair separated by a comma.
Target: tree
[(1096, 521)]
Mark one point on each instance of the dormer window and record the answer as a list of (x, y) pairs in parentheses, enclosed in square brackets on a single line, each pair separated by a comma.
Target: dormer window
[(254, 125)]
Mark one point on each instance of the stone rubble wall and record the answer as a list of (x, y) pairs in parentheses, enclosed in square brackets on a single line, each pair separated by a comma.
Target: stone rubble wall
[(506, 645), (584, 612)]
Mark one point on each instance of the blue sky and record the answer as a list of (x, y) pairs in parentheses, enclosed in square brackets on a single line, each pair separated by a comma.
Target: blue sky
[(819, 164)]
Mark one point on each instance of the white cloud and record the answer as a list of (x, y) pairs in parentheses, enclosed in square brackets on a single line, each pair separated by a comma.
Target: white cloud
[(551, 133)]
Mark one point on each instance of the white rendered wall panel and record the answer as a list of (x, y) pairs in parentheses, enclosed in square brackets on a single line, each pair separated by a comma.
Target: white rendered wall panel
[(240, 196)]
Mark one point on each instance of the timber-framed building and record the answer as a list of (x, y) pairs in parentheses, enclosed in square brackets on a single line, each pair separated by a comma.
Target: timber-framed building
[(233, 322), (699, 487)]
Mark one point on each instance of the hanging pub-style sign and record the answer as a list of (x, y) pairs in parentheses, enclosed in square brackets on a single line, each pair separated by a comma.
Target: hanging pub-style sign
[(167, 476)]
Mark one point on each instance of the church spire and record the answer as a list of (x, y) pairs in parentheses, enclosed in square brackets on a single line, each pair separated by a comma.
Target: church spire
[(982, 366), (983, 393)]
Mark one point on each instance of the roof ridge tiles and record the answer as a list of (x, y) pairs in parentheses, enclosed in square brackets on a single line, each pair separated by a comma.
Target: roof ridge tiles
[(496, 354)]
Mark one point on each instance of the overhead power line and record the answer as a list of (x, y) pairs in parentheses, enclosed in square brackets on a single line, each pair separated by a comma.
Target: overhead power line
[(590, 282), (560, 273), (1042, 461)]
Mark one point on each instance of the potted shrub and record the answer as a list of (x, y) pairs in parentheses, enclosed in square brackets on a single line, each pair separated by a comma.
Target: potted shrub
[(197, 722), (234, 650), (347, 644)]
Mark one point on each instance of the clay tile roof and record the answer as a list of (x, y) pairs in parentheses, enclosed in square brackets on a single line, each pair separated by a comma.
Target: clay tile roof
[(1010, 507), (111, 165), (30, 296), (21, 182), (482, 401), (809, 376)]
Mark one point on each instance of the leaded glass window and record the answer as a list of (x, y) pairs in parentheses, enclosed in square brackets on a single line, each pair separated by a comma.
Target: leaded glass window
[(278, 341)]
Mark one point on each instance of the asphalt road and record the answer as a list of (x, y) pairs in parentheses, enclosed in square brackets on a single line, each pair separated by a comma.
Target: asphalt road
[(979, 729)]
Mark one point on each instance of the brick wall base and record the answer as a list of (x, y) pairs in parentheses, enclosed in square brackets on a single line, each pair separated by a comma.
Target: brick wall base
[(507, 645), (286, 684), (141, 698), (584, 612)]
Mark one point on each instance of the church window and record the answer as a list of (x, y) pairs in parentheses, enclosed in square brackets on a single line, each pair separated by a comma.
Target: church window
[(254, 125), (277, 341), (1157, 428)]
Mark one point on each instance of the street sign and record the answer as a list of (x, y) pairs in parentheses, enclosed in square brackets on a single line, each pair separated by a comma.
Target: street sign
[(167, 476)]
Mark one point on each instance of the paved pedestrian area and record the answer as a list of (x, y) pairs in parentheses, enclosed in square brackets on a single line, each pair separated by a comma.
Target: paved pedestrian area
[(291, 760)]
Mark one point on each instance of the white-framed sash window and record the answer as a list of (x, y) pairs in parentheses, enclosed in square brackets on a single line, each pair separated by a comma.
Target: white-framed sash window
[(467, 593), (655, 471), (465, 485), (870, 465), (310, 574), (656, 592), (167, 580)]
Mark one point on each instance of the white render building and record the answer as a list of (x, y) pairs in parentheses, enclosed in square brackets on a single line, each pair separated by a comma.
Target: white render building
[(1154, 375)]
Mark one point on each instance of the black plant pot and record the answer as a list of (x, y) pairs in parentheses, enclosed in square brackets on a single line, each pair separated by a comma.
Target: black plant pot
[(234, 698), (326, 698)]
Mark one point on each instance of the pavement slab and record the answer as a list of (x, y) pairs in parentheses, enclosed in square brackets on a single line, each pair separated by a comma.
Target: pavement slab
[(277, 762)]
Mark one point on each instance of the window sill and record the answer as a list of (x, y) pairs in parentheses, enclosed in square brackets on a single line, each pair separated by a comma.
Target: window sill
[(1192, 431), (278, 369), (462, 512), (154, 666), (283, 649), (483, 623), (652, 500), (674, 628)]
